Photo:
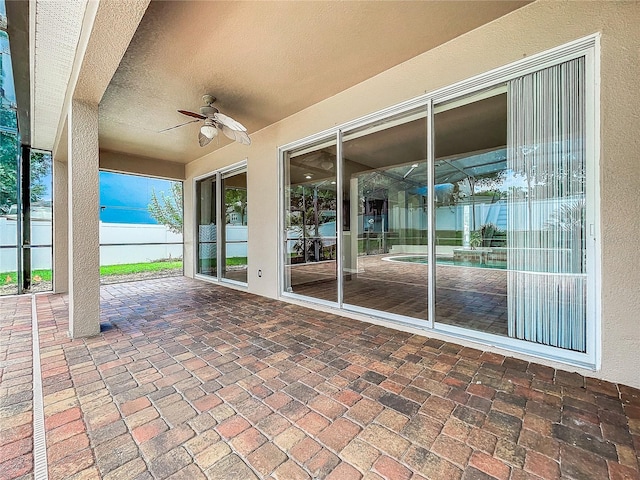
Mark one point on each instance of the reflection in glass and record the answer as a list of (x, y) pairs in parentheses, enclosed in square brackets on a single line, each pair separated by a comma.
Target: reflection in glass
[(9, 150), (310, 222), (385, 216), (470, 176), (235, 237), (207, 230)]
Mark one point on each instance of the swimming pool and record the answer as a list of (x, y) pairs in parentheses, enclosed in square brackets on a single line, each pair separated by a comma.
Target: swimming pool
[(423, 259)]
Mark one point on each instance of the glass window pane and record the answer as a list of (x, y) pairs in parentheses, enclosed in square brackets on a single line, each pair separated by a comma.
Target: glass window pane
[(310, 221), (41, 221), (207, 231), (235, 227), (8, 215), (9, 150), (8, 258), (385, 216), (471, 184)]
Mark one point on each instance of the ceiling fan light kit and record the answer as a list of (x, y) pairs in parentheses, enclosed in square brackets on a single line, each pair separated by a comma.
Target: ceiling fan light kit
[(209, 130), (214, 121)]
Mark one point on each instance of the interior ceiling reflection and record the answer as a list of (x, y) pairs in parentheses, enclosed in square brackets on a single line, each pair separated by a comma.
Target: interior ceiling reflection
[(314, 167), (469, 141)]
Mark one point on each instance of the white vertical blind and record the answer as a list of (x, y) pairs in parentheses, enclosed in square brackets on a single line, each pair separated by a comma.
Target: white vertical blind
[(546, 280)]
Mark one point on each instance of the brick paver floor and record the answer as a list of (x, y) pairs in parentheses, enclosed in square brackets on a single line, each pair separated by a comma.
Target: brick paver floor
[(16, 383), (190, 380)]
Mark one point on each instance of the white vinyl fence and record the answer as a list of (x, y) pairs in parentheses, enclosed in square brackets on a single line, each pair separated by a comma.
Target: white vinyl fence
[(120, 243)]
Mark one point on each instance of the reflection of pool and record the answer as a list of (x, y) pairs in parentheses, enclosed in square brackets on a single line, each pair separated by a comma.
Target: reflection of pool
[(422, 259)]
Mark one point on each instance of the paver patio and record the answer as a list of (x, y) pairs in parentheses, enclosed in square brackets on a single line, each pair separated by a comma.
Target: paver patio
[(193, 380)]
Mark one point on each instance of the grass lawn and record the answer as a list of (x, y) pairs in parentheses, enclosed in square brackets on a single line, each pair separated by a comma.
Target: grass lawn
[(229, 262), (236, 261), (129, 268), (8, 278)]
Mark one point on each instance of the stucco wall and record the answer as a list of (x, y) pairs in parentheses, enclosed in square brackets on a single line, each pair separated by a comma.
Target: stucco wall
[(134, 164), (535, 28)]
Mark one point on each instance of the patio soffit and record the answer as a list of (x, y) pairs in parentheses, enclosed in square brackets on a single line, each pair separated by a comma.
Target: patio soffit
[(55, 33), (73, 49)]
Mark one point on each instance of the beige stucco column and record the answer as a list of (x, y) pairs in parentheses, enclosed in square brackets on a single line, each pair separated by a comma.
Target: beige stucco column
[(60, 227), (83, 209)]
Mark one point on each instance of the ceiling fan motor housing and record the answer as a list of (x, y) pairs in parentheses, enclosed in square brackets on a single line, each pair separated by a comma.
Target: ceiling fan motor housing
[(208, 111)]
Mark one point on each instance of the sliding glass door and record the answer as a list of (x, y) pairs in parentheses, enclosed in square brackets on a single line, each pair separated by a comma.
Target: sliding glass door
[(222, 226), (385, 229), (471, 213), (547, 212)]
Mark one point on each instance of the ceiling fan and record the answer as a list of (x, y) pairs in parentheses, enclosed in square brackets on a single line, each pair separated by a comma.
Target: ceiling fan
[(214, 121)]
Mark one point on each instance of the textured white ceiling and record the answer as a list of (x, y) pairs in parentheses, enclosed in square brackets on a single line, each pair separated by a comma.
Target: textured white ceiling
[(57, 30), (263, 60)]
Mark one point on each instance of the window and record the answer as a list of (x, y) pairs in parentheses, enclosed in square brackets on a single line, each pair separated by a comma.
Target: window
[(469, 211)]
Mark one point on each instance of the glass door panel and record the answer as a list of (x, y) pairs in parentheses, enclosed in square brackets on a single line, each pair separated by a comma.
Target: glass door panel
[(470, 208), (310, 221), (385, 227), (510, 209), (234, 226), (207, 227)]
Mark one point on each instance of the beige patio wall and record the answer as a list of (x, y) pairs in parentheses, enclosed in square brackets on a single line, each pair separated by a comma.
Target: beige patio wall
[(137, 165), (535, 28)]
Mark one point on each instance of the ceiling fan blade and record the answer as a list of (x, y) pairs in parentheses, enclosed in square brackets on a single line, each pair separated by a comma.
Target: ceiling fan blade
[(244, 138), (192, 114), (229, 122), (203, 140), (235, 135), (228, 132), (178, 126)]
